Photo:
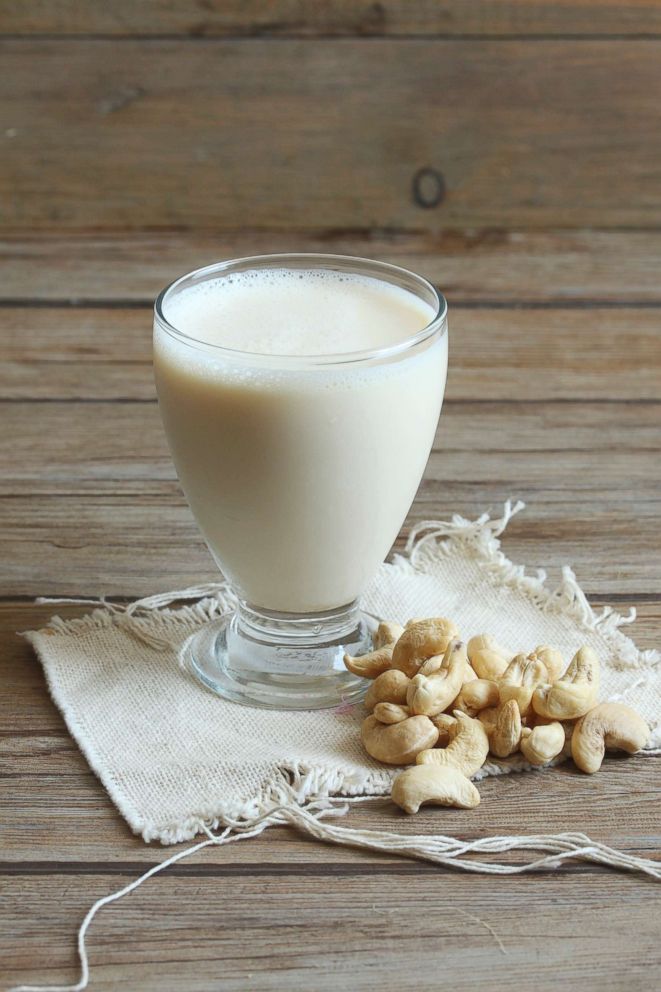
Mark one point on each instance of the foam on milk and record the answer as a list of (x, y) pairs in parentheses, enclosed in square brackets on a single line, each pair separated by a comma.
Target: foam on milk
[(289, 312)]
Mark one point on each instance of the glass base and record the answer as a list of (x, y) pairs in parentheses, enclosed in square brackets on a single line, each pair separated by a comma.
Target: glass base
[(281, 660)]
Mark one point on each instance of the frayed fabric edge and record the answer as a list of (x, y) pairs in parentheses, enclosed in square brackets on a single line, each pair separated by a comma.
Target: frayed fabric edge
[(151, 620), (296, 785)]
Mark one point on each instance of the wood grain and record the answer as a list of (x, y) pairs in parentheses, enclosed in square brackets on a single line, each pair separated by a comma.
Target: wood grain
[(344, 930), (139, 544), (472, 267), (60, 819), (562, 354), (96, 444), (298, 18), (106, 134)]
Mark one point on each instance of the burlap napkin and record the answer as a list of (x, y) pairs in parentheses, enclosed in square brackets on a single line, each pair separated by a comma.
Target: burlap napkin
[(177, 760)]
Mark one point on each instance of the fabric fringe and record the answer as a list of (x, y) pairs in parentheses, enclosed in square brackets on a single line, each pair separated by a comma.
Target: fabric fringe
[(430, 539), (211, 600), (303, 784), (296, 785)]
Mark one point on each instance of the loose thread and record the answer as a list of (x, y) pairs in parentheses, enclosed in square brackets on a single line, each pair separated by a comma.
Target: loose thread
[(448, 850), (208, 600), (483, 923), (244, 832)]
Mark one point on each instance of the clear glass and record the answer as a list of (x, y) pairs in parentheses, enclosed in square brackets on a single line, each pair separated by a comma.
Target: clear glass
[(300, 470)]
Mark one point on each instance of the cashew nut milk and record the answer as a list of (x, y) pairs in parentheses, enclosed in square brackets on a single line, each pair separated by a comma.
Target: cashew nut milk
[(299, 467)]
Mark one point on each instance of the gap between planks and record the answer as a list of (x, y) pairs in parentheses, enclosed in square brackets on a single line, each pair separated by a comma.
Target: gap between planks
[(244, 869)]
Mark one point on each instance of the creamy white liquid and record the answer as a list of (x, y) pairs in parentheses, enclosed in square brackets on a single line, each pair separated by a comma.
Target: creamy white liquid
[(300, 479)]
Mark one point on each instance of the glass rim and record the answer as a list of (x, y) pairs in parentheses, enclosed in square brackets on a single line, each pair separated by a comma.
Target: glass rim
[(349, 263)]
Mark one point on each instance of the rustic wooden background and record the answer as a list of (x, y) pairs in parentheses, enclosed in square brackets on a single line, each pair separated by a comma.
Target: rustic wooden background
[(511, 151)]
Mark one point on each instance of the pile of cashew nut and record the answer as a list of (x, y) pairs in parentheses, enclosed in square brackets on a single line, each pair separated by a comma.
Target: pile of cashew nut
[(442, 706)]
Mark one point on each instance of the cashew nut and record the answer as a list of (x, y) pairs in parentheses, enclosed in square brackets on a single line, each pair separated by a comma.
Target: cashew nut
[(387, 632), (389, 687), (520, 680), (575, 693), (483, 642), (442, 786), (432, 694), (398, 743), (446, 726), (467, 751), (476, 695), (421, 640), (543, 743), (391, 712), (609, 725), (534, 720), (436, 662), (375, 662), (505, 737), (431, 665), (551, 659), (488, 659), (488, 717), (568, 727)]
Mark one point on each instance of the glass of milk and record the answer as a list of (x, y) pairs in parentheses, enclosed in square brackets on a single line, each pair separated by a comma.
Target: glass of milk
[(300, 395)]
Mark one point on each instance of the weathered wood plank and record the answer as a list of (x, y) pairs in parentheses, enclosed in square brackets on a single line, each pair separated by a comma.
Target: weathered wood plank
[(297, 18), (535, 267), (89, 137), (85, 446), (341, 931), (86, 509), (496, 354), (135, 545), (65, 817), (101, 448)]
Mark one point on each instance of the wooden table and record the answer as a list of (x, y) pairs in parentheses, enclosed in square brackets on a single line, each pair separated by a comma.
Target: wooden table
[(541, 128)]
